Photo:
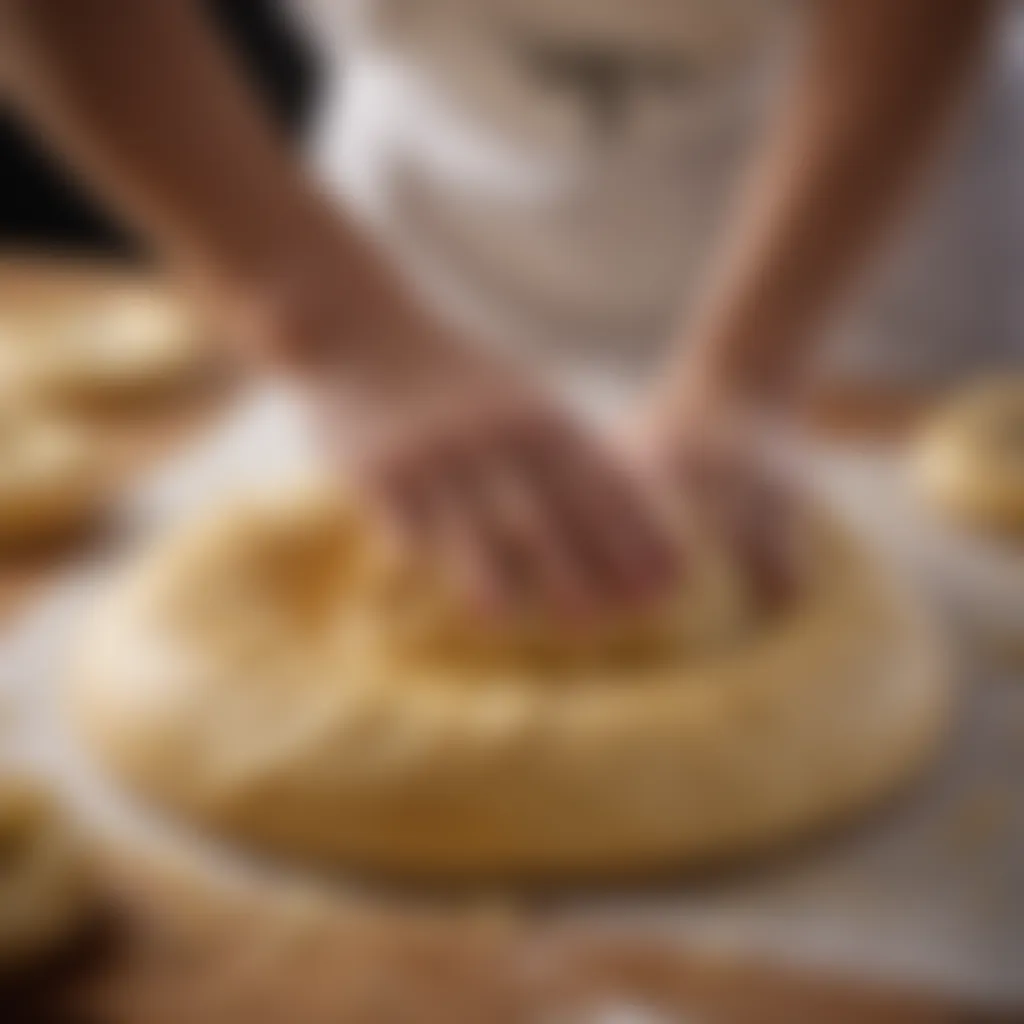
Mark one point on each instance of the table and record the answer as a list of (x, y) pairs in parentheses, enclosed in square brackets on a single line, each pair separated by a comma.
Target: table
[(175, 957)]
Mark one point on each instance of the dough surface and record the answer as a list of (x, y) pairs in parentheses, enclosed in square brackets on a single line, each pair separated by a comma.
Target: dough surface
[(270, 672), (51, 479), (129, 343), (43, 883), (971, 459)]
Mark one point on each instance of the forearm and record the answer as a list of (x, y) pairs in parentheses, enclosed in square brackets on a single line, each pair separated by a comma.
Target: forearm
[(142, 98), (879, 82)]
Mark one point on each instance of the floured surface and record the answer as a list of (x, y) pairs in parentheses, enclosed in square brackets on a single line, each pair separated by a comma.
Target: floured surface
[(930, 893), (270, 670)]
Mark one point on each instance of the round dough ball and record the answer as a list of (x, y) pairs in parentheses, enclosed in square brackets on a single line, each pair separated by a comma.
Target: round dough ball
[(43, 879), (970, 462), (51, 477), (127, 344), (272, 673)]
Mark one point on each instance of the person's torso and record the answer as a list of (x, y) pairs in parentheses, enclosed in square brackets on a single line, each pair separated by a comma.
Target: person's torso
[(557, 172)]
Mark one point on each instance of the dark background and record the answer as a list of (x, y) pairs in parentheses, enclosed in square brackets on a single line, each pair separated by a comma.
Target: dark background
[(41, 207)]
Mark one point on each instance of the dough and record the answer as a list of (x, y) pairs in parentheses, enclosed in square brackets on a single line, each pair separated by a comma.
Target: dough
[(51, 478), (43, 879), (971, 459), (271, 673), (124, 344)]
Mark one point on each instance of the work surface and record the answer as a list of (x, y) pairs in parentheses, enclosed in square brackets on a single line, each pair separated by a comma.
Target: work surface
[(669, 956)]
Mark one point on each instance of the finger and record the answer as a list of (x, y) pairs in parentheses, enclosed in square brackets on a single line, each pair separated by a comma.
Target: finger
[(398, 494), (460, 536), (527, 537), (619, 542), (703, 473), (756, 517), (443, 503), (642, 532), (769, 533)]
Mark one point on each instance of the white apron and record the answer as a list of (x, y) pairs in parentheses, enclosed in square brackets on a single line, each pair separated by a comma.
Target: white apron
[(554, 175)]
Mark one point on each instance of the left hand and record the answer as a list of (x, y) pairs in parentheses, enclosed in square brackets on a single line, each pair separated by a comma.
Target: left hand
[(715, 452)]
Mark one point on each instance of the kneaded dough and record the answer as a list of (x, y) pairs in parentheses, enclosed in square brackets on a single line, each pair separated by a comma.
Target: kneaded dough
[(43, 878), (971, 458), (272, 673), (121, 345), (52, 481)]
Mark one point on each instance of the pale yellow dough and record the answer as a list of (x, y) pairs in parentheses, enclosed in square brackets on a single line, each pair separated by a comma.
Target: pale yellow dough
[(271, 673), (51, 477), (124, 345), (44, 891), (971, 459)]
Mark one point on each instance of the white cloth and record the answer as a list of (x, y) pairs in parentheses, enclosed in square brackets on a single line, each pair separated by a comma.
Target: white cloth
[(554, 175)]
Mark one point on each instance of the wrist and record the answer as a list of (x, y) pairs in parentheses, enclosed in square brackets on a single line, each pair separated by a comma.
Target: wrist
[(323, 301), (708, 392)]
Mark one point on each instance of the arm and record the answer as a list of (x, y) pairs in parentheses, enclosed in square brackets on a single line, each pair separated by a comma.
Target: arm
[(142, 97), (879, 83), (459, 454)]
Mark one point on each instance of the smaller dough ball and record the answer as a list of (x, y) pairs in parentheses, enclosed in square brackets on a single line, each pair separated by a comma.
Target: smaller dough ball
[(971, 460), (43, 878), (51, 478), (124, 345)]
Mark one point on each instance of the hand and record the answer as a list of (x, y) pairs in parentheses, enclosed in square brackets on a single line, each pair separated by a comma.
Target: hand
[(524, 508), (717, 454), (465, 459)]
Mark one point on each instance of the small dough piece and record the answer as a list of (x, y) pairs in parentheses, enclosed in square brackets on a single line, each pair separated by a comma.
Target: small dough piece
[(272, 673), (123, 345), (52, 482), (43, 878), (970, 463)]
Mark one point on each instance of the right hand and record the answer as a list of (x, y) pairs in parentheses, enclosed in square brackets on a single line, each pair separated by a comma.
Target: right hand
[(714, 448), (467, 459)]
